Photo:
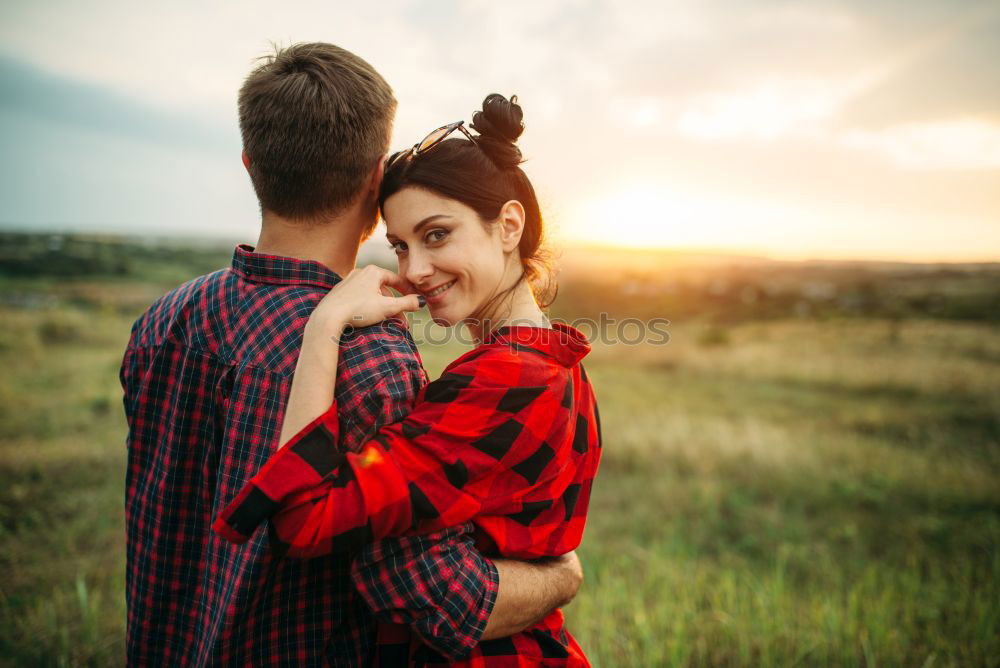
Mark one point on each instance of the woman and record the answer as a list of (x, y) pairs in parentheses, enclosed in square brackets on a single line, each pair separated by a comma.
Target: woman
[(508, 437)]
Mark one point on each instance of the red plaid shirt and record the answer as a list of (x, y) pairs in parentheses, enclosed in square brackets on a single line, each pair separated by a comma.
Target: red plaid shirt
[(508, 437), (206, 377)]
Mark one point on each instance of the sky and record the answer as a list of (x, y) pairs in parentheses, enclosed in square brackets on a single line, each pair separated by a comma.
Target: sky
[(792, 129)]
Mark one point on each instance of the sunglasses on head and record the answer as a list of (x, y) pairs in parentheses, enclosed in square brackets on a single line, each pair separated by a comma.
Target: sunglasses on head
[(430, 141)]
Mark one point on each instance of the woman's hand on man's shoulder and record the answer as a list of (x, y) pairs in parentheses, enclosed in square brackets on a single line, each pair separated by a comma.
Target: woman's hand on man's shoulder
[(362, 299)]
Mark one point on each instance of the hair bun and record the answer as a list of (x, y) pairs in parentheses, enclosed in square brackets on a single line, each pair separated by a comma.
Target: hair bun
[(499, 125)]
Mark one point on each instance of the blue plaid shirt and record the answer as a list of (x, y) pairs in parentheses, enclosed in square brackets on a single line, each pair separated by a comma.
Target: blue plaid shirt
[(206, 376)]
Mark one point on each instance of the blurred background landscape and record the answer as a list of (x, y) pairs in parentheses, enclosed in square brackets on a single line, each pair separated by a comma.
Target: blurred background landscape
[(806, 473)]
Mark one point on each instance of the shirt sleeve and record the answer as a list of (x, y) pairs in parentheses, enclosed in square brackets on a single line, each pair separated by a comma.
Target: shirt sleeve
[(127, 376), (437, 584), (469, 446), (386, 379)]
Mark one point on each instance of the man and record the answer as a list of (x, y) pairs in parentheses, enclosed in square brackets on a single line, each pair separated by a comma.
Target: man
[(206, 376)]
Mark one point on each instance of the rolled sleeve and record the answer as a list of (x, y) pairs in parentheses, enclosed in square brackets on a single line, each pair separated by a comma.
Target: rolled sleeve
[(384, 391), (437, 584)]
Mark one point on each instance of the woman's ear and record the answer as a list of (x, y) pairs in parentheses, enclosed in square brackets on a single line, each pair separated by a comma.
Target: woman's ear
[(511, 222)]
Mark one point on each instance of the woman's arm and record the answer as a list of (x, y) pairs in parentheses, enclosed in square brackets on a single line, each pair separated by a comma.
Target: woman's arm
[(435, 469), (314, 381), (359, 301), (470, 439)]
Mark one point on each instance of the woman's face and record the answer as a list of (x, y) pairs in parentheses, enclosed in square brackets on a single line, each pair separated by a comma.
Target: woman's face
[(446, 251)]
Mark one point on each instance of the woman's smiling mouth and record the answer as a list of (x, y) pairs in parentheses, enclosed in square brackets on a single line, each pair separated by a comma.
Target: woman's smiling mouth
[(440, 290)]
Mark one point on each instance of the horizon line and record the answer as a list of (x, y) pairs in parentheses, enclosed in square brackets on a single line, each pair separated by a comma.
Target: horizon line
[(736, 252)]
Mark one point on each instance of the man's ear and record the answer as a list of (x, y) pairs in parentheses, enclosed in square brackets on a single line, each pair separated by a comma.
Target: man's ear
[(368, 198), (511, 222), (375, 179), (246, 161)]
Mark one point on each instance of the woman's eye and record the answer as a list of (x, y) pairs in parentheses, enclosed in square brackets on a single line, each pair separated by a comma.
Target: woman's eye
[(398, 246), (436, 235)]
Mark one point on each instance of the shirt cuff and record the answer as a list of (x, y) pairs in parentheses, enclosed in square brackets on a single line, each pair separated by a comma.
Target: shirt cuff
[(470, 632)]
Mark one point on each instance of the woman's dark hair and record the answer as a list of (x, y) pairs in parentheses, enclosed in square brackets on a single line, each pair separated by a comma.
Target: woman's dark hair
[(484, 175)]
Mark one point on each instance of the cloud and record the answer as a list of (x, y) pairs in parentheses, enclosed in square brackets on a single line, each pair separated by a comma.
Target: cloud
[(948, 70), (964, 144), (799, 104), (721, 46), (78, 155), (30, 91), (767, 112)]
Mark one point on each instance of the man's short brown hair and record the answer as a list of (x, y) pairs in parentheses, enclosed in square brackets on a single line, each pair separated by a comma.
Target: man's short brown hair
[(315, 118)]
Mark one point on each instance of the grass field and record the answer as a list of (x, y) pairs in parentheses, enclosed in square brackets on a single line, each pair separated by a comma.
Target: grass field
[(789, 492)]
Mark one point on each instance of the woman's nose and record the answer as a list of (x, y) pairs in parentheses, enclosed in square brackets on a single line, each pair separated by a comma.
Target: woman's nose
[(418, 268)]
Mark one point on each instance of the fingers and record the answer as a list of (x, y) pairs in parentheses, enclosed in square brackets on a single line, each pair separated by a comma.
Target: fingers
[(383, 277), (397, 305), (408, 288), (374, 312), (395, 281), (363, 298)]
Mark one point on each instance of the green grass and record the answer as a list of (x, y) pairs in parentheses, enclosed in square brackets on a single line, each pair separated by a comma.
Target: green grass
[(809, 493), (788, 492), (62, 463)]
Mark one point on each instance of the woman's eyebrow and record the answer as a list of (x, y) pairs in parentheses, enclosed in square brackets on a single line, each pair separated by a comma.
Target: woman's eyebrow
[(425, 221), (429, 219)]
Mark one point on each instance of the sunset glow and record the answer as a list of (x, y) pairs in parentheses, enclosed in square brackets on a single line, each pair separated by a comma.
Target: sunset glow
[(650, 216), (850, 130)]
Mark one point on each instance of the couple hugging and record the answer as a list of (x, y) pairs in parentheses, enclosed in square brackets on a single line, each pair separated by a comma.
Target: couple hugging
[(407, 523)]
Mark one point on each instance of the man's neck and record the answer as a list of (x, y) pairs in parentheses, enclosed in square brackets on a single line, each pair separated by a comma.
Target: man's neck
[(333, 243)]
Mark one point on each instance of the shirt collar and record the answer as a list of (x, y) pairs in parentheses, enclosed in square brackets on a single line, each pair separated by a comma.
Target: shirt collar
[(280, 270), (563, 342)]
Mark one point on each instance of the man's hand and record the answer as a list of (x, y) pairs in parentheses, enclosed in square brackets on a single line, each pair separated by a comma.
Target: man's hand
[(530, 590)]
